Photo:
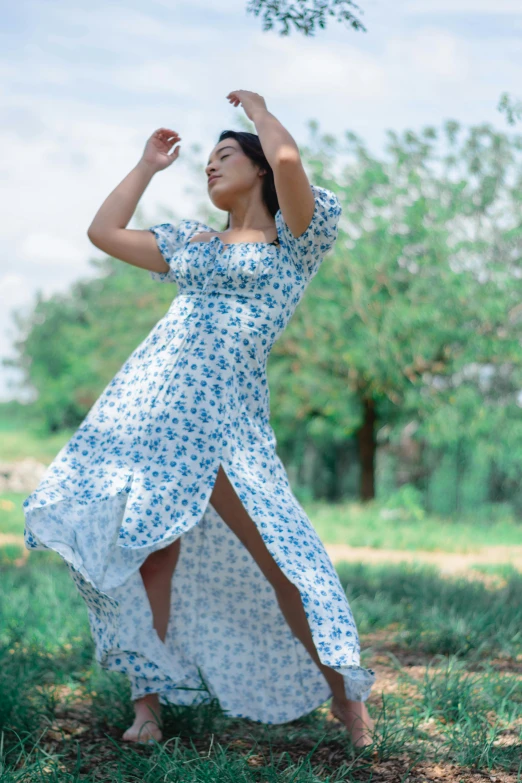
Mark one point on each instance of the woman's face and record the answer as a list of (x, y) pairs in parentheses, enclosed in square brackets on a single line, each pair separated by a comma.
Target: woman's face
[(235, 174)]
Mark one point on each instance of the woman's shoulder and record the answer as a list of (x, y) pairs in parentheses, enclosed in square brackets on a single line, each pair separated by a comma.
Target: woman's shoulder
[(190, 226), (195, 222)]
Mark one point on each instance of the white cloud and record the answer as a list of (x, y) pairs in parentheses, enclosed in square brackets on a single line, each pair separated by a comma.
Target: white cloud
[(433, 53), (14, 294), (82, 88), (298, 69), (13, 291), (223, 7), (77, 28), (464, 6), (47, 250)]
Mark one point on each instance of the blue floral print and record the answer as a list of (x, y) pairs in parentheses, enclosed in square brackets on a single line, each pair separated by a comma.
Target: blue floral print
[(139, 471)]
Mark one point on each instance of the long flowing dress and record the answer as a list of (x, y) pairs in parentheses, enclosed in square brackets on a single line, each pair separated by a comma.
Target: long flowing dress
[(139, 471)]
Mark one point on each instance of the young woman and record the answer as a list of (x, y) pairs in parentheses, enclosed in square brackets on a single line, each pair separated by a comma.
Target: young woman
[(202, 574)]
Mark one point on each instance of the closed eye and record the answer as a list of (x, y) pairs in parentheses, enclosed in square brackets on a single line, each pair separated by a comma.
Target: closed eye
[(224, 156)]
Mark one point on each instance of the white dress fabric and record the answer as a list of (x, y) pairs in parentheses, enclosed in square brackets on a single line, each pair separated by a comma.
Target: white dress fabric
[(139, 471)]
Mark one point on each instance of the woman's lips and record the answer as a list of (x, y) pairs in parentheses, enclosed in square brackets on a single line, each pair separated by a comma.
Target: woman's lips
[(213, 178)]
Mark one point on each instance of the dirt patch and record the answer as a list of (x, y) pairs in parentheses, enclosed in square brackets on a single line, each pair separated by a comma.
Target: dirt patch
[(446, 562), (11, 538), (73, 732), (450, 563), (7, 539)]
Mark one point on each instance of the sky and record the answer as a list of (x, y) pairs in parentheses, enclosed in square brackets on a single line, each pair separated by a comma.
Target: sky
[(85, 84)]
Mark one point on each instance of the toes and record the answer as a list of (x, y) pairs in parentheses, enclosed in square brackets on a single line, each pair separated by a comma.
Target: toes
[(360, 727), (144, 738)]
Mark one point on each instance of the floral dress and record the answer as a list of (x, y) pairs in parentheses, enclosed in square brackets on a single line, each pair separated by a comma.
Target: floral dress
[(139, 471)]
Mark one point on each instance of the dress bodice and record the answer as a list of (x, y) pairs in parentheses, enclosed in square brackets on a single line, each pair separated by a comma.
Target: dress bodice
[(246, 291), (249, 268)]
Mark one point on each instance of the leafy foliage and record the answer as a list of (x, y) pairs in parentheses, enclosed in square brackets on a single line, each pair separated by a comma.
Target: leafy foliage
[(414, 317), (304, 14), (418, 307)]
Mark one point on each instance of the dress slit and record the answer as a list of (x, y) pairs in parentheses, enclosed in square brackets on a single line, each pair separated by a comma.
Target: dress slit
[(227, 637), (140, 470)]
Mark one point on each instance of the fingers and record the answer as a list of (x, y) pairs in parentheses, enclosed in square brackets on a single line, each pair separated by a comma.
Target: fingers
[(234, 96), (165, 134), (237, 96), (166, 137), (166, 130)]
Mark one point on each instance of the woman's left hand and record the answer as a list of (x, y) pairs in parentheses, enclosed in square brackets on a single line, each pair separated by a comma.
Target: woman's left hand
[(251, 102)]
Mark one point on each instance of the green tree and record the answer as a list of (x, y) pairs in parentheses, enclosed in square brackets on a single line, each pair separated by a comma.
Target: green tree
[(72, 343), (414, 316), (304, 15), (419, 299)]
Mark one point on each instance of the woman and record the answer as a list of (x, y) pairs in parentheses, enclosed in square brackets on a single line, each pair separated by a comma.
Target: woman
[(169, 504)]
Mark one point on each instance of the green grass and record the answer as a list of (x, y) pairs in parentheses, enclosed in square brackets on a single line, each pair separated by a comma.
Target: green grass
[(11, 513), (357, 524), (435, 615), (397, 522), (375, 524), (21, 438), (452, 650)]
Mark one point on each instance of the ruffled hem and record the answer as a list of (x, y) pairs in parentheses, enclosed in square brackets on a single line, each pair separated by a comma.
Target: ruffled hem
[(225, 618)]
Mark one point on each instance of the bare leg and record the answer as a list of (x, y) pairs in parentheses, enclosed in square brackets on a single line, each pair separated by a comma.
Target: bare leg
[(354, 714), (156, 573)]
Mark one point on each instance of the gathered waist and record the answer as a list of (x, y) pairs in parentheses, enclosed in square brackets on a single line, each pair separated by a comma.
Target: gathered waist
[(230, 319)]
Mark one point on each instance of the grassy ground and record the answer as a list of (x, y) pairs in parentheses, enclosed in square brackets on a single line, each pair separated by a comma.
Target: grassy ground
[(21, 436), (380, 526), (394, 523), (361, 525), (448, 697), (447, 652)]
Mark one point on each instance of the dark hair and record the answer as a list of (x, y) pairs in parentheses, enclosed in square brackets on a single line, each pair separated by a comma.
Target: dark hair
[(251, 146)]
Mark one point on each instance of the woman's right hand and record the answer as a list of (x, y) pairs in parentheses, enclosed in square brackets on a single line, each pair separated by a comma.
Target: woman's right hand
[(156, 149)]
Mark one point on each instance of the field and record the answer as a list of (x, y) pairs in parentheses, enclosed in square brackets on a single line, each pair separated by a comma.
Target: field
[(437, 604), (446, 649)]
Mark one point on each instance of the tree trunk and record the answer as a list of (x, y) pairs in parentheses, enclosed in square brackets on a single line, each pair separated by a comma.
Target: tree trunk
[(367, 448), (496, 484), (344, 460)]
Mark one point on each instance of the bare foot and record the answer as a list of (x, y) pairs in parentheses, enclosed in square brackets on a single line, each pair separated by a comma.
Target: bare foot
[(146, 726), (356, 718)]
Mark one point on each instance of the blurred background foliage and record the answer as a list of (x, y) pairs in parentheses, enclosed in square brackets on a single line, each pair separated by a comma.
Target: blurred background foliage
[(400, 373)]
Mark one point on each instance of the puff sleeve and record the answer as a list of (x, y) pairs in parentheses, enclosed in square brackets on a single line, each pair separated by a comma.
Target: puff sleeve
[(169, 239), (308, 250)]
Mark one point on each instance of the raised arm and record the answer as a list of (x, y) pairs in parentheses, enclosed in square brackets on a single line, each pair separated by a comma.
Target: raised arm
[(308, 215), (293, 188), (108, 229)]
